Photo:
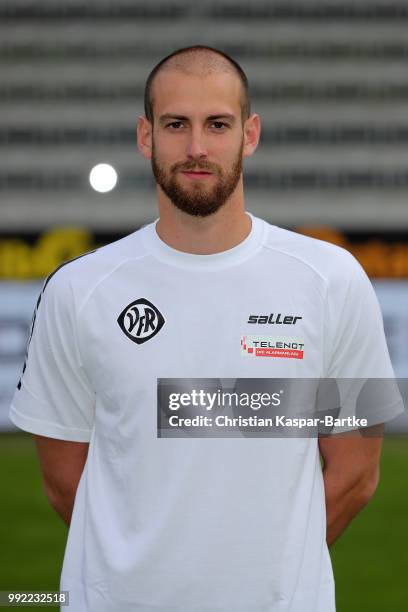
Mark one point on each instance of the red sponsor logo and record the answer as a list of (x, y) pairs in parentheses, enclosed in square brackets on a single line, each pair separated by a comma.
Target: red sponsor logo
[(272, 346)]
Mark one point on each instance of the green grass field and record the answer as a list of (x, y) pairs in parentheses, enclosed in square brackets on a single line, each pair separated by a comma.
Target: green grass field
[(370, 560)]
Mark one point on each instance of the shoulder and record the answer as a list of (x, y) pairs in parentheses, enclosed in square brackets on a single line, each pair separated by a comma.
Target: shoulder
[(78, 276), (331, 263)]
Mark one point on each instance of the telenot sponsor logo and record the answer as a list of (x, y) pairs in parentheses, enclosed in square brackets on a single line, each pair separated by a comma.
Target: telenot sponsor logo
[(140, 320), (272, 346)]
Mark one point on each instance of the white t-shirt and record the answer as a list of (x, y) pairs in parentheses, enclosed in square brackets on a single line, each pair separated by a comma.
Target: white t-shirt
[(195, 524)]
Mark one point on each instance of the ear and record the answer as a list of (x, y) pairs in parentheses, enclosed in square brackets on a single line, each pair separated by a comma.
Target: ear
[(252, 134), (144, 137)]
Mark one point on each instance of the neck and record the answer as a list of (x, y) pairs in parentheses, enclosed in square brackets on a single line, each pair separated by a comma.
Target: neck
[(218, 232)]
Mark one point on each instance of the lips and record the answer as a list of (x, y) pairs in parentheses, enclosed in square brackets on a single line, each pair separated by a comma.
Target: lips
[(196, 174)]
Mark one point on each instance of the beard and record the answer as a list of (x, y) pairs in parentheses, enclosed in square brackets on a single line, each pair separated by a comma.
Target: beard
[(198, 200)]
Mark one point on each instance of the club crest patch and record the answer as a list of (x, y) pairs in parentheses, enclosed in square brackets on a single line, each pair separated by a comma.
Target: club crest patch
[(141, 320)]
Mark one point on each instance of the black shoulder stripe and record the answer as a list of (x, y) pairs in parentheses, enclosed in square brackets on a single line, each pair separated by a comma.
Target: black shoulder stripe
[(49, 277), (47, 280)]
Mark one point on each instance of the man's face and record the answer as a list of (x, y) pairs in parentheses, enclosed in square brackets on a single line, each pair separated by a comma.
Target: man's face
[(197, 142)]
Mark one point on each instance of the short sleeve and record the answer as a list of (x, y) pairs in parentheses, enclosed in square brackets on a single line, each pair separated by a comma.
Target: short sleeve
[(54, 397), (356, 349)]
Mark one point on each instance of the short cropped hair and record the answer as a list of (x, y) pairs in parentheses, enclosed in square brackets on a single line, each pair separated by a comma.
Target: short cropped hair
[(245, 101)]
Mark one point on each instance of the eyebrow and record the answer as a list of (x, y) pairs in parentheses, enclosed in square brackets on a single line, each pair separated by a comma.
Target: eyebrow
[(169, 116)]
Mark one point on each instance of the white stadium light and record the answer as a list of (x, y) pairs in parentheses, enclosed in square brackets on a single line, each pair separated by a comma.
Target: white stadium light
[(103, 177)]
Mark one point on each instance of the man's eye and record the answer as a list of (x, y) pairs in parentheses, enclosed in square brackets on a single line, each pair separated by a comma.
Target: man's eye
[(219, 125), (175, 124)]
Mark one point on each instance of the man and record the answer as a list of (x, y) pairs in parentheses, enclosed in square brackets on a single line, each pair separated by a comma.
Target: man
[(170, 521)]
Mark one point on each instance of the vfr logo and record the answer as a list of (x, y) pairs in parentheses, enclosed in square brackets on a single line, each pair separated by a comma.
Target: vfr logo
[(140, 320)]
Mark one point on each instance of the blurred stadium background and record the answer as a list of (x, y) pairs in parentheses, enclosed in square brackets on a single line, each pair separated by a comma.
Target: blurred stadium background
[(329, 80)]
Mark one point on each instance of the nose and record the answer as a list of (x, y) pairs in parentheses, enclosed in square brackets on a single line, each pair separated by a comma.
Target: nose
[(196, 146)]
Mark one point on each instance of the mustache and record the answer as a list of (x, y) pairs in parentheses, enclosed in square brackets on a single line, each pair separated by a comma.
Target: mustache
[(195, 167)]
